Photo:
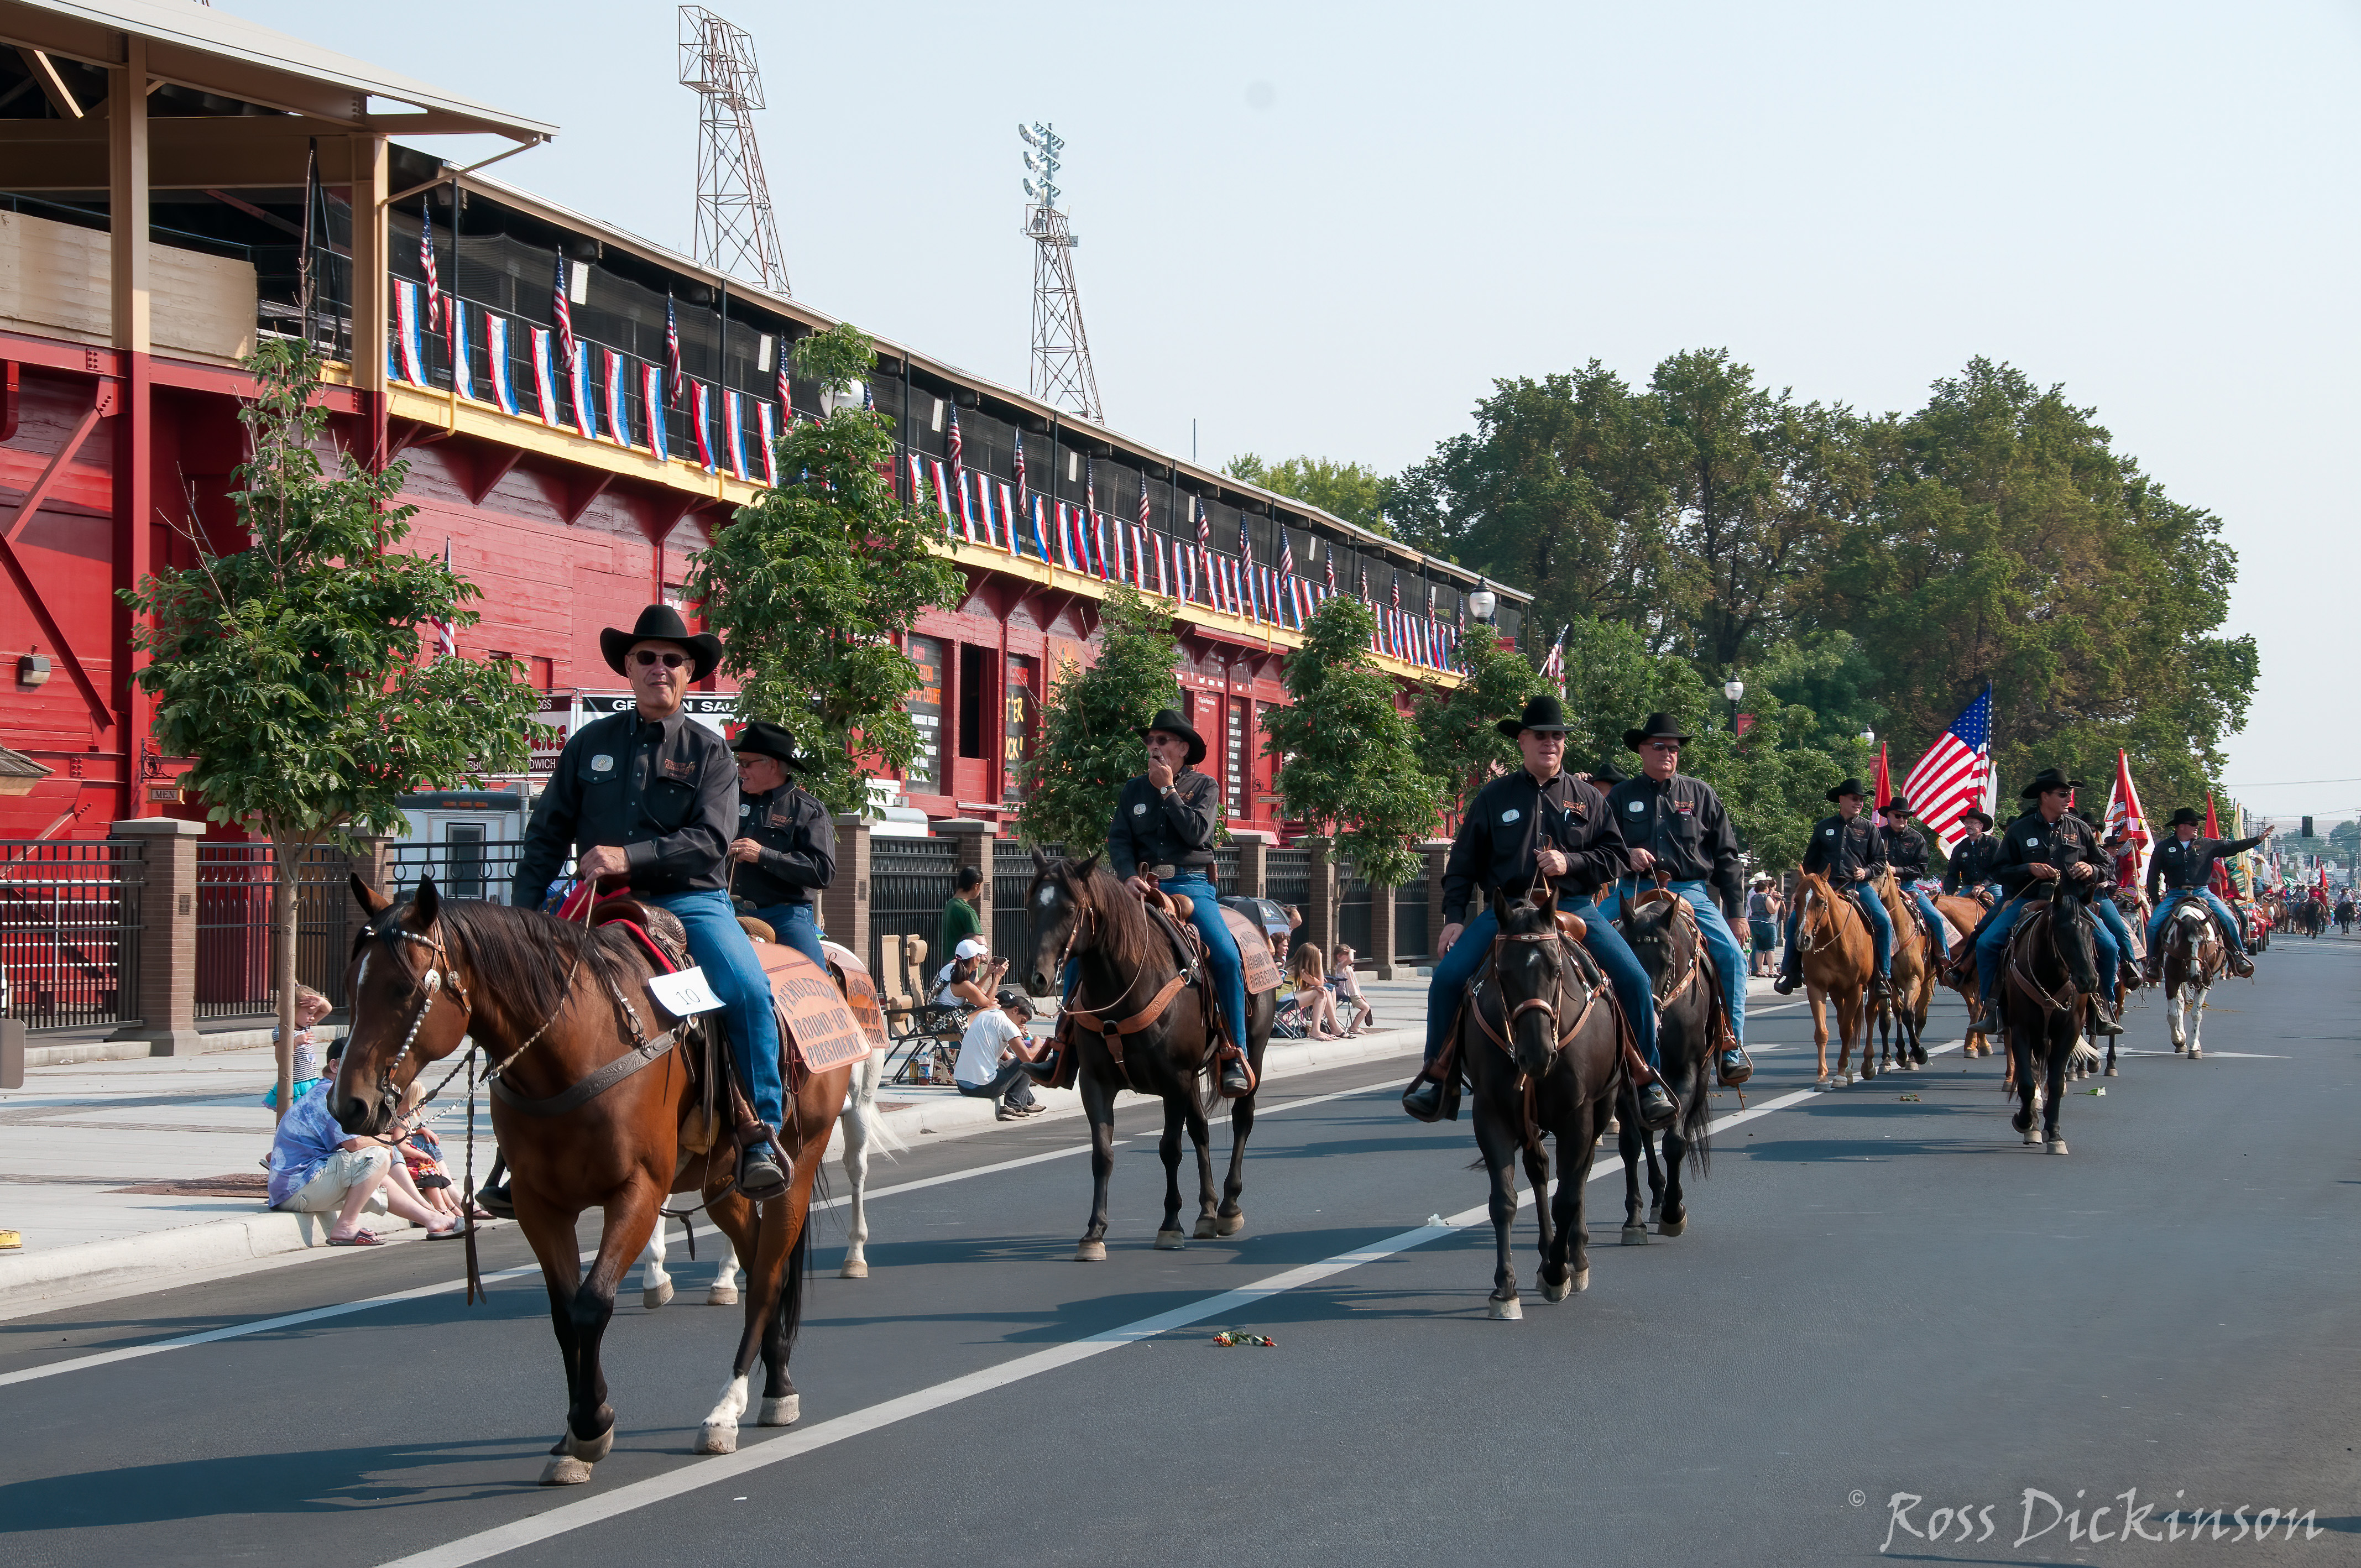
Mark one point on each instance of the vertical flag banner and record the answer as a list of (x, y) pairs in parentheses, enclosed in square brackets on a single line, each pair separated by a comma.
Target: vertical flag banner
[(426, 263), (1118, 553), (767, 419), (1066, 536), (1009, 521), (959, 471), (700, 423), (1204, 545), (496, 361), (1554, 668), (1953, 775), (463, 369), (586, 406), (672, 360), (1163, 572), (408, 346), (786, 388), (1022, 506), (561, 314), (733, 432), (918, 479), (619, 417), (1139, 555), (943, 496), (544, 378), (1096, 539), (966, 501), (2220, 881), (1041, 525), (2124, 812), (652, 393), (1883, 787)]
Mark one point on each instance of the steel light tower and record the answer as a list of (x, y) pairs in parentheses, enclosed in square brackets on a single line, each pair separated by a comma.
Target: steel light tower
[(735, 232), (1062, 350)]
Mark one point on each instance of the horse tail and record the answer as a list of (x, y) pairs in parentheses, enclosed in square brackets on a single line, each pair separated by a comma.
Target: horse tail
[(1697, 1123), (791, 1292)]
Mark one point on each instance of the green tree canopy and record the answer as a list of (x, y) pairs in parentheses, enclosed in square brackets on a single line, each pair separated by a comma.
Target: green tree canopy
[(1090, 741), (814, 585), (1350, 490), (1455, 734)]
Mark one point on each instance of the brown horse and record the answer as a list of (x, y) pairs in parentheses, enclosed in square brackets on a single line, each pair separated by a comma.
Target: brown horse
[(1839, 959), (594, 1107), (2193, 958), (1965, 913), (1913, 980)]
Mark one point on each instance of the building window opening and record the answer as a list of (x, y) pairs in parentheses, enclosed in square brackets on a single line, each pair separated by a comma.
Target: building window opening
[(973, 679)]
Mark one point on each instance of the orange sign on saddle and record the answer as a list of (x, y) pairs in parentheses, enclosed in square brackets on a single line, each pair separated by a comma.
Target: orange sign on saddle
[(1254, 947), (825, 1031)]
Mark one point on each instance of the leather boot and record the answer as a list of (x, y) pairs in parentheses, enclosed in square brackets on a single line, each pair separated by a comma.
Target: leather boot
[(1424, 1098), (1658, 1109), (1237, 1082), (1785, 984), (1735, 1066), (2103, 1017), (2241, 965), (760, 1178)]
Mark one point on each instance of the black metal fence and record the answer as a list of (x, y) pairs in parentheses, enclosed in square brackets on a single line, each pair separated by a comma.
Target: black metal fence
[(234, 937), (70, 931), (479, 871), (1225, 869), (1287, 876), (1410, 935), (1355, 925), (909, 883)]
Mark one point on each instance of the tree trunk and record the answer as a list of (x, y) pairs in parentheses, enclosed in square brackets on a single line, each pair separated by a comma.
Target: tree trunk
[(284, 870)]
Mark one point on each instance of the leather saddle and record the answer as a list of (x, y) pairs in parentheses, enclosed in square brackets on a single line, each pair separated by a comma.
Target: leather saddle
[(655, 926)]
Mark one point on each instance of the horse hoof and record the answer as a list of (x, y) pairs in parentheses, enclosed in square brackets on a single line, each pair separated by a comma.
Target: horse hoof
[(590, 1451), (1635, 1235), (855, 1268), (1230, 1224), (2111, 1072), (1671, 1227), (564, 1471), (715, 1437), (2031, 1140), (1170, 1241), (1917, 1055), (1581, 1281), (721, 1296), (1557, 1292), (1090, 1251), (1508, 1311), (1823, 1083), (2179, 1050), (2196, 1055), (655, 1296), (2056, 1145), (785, 1412)]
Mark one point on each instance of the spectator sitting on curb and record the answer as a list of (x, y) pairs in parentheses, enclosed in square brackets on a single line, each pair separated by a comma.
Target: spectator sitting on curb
[(992, 1054), (1313, 1000), (1345, 983), (309, 1008), (316, 1170), (422, 1156)]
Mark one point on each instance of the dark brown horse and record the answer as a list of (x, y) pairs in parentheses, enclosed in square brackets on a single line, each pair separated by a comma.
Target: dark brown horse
[(599, 1107), (2046, 977), (1966, 914), (1663, 936), (1541, 1040), (1076, 911)]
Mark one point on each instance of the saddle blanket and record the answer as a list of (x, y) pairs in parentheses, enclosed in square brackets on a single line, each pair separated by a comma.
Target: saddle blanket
[(1254, 947), (812, 1014)]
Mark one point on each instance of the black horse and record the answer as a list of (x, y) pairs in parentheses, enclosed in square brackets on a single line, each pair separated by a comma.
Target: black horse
[(1541, 1040), (1664, 935), (1130, 982), (2047, 978)]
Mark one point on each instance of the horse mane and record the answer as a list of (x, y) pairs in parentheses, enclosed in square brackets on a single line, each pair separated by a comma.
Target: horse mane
[(1125, 932), (508, 952)]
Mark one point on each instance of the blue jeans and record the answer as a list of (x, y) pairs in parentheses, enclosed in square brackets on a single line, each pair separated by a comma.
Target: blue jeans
[(1872, 910), (1602, 941), (795, 926), (1729, 959), (2230, 932), (1994, 945), (726, 954), (1010, 1082), (1220, 952)]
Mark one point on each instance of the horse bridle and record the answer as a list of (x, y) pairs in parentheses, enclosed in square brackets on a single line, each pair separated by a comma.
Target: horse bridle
[(433, 985), (1545, 1005)]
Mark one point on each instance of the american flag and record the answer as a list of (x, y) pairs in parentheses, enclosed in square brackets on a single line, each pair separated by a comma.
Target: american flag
[(786, 387), (1331, 559), (1955, 773), (562, 316), (1246, 566), (1398, 590), (1287, 572), (959, 465), (672, 357), (1553, 667), (1205, 546), (1023, 506), (2123, 811), (426, 263), (446, 640)]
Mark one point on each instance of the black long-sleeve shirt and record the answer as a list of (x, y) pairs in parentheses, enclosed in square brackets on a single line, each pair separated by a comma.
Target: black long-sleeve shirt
[(1152, 827), (1512, 820), (1906, 850), (799, 847), (2178, 865), (2066, 843), (1840, 849), (1972, 863), (666, 792), (1681, 822)]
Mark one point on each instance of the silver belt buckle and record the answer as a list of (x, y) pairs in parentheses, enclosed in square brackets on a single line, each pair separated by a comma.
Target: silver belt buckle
[(1164, 873)]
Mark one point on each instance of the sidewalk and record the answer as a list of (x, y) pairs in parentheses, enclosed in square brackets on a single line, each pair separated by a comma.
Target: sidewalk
[(137, 1175)]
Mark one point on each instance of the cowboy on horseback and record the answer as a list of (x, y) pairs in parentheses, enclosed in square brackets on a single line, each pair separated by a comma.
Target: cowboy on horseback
[(650, 797), (1162, 838), (1906, 852), (2048, 847), (785, 855), (1847, 850), (2184, 867), (1676, 825), (1538, 822), (1967, 871)]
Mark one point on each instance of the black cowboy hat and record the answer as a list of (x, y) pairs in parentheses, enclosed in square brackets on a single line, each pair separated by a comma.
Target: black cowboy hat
[(1980, 815), (761, 737), (1898, 806), (1655, 726), (1851, 787), (2048, 779), (1169, 719), (1544, 715), (662, 623), (2186, 814)]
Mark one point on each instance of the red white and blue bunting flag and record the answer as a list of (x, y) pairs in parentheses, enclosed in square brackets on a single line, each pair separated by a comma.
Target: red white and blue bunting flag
[(586, 406), (1040, 525), (619, 417), (496, 362), (544, 378), (1139, 554), (652, 393), (1231, 599), (463, 370), (1118, 553), (786, 388), (1011, 520), (1066, 556), (966, 499), (767, 419), (700, 421), (959, 465), (942, 494), (1163, 569), (733, 431), (409, 362), (918, 480), (1274, 607), (1184, 572), (1304, 603), (1096, 538)]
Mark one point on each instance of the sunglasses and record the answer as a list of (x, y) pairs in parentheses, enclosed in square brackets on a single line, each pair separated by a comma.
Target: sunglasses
[(644, 657), (1664, 745)]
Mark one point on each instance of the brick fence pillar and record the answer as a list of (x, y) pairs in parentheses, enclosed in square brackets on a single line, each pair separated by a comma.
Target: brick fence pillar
[(1384, 928), (1320, 899), (1438, 855), (1254, 862), (844, 902), (167, 997), (372, 861)]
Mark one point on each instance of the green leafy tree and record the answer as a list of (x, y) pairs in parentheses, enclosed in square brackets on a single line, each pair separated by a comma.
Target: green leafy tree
[(1350, 490), (1455, 734), (813, 586), (1347, 761), (1090, 741), (293, 669)]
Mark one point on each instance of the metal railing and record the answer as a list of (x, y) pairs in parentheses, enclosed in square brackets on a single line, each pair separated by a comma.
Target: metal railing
[(1287, 876), (234, 937), (70, 917), (1410, 935), (909, 883), (1355, 921), (480, 872), (1225, 869)]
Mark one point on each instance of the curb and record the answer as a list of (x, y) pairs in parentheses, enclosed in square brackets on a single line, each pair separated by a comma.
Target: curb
[(82, 1051)]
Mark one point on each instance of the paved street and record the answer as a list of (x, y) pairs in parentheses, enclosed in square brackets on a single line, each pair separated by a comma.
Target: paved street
[(1876, 1295)]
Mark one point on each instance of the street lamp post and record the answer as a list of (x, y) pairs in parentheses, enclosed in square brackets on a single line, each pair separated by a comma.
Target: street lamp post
[(1733, 690)]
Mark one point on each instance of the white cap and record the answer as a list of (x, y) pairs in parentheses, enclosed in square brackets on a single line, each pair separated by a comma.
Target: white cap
[(970, 947)]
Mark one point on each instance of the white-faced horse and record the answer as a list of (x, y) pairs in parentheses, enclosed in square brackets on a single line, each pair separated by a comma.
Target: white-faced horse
[(2194, 958)]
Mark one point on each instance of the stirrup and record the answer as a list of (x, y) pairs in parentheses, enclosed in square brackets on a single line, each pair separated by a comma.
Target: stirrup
[(1424, 1098), (1733, 1074)]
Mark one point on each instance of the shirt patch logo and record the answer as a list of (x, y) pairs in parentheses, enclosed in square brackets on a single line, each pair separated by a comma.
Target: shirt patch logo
[(1827, 832), (745, 810), (1636, 808), (1140, 809), (602, 764), (2033, 843), (676, 770), (1510, 815)]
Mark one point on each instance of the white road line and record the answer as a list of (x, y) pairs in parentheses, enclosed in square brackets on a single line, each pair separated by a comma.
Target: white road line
[(733, 1468), (267, 1325)]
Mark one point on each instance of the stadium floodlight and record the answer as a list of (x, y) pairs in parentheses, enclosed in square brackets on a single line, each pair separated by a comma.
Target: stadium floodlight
[(1031, 191), (1026, 132)]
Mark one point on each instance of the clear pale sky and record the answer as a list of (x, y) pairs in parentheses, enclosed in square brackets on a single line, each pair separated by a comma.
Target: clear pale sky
[(1326, 228)]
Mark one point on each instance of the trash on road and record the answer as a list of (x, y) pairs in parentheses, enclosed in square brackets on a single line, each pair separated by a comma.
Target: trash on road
[(1231, 1338), (1910, 1097)]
